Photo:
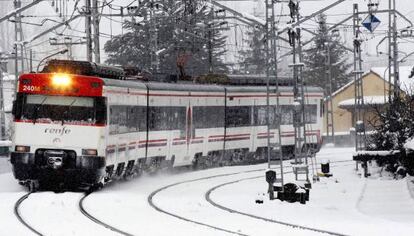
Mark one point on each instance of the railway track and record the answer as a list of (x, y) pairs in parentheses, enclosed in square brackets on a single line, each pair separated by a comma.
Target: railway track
[(19, 216), (81, 208), (150, 200), (153, 205), (207, 196), (99, 222)]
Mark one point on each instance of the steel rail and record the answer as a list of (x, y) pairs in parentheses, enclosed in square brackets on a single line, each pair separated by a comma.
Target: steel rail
[(99, 222), (150, 198), (207, 196), (19, 216)]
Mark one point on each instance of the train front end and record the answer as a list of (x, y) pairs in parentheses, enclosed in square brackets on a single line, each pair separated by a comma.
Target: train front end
[(59, 130)]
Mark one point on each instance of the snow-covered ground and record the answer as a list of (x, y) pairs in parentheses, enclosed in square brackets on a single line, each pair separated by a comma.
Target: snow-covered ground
[(344, 203), (5, 165)]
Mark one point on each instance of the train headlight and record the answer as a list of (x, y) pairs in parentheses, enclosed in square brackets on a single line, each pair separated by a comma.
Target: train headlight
[(61, 80), (89, 152), (19, 148)]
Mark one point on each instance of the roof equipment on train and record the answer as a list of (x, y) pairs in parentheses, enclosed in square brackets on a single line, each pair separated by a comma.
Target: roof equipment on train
[(128, 72)]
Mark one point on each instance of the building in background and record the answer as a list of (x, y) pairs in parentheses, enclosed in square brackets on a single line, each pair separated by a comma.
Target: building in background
[(375, 88)]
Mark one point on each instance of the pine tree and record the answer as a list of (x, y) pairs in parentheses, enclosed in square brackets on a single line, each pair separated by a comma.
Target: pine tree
[(253, 59), (315, 60), (186, 36), (394, 124), (393, 127)]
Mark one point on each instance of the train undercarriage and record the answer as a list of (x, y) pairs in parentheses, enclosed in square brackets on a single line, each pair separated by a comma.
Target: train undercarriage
[(59, 170)]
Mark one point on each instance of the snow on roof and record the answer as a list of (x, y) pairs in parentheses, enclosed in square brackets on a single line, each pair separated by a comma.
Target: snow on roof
[(376, 153), (407, 84), (371, 100), (343, 88)]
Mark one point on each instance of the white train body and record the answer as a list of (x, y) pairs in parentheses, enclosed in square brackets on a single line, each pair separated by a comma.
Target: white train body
[(130, 125)]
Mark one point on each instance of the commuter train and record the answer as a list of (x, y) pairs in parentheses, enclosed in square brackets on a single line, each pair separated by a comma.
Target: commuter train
[(85, 128)]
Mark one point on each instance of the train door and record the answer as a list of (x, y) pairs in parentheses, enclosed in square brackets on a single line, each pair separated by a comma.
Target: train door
[(110, 141), (254, 128), (189, 132), (169, 131)]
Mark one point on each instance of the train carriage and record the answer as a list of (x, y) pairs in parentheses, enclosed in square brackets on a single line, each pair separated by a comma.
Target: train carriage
[(88, 129)]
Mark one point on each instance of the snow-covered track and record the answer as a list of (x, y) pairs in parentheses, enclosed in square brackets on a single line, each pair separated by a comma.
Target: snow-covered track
[(97, 221), (20, 218), (208, 199), (153, 205)]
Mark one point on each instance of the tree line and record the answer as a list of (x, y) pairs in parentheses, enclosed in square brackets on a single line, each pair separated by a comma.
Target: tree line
[(190, 45)]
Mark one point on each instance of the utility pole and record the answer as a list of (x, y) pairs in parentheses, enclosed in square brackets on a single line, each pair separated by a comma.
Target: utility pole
[(18, 43), (329, 106), (2, 112), (271, 38), (299, 119), (31, 60), (88, 30), (95, 23), (393, 71), (359, 113)]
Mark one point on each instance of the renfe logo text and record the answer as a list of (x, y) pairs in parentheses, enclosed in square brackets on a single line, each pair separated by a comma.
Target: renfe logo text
[(59, 131)]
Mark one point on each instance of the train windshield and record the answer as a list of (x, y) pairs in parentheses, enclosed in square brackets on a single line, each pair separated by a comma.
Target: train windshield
[(64, 109)]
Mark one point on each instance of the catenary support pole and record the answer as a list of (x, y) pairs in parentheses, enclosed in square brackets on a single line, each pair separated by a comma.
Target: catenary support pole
[(88, 30)]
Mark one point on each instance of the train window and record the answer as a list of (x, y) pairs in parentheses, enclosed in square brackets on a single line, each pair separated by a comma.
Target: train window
[(18, 105), (177, 118), (157, 118), (142, 118), (208, 117), (199, 117), (122, 118), (286, 114), (100, 104), (113, 120), (167, 118), (218, 116), (118, 120), (311, 114), (238, 116), (260, 113), (153, 118), (132, 119)]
